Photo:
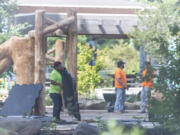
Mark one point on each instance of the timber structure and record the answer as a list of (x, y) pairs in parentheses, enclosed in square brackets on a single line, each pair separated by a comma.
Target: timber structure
[(56, 21)]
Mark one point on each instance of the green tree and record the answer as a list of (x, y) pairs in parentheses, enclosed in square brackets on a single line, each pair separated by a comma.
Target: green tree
[(122, 51), (7, 12), (7, 29), (88, 76), (159, 32)]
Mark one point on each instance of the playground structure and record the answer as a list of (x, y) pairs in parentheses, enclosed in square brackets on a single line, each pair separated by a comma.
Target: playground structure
[(29, 54)]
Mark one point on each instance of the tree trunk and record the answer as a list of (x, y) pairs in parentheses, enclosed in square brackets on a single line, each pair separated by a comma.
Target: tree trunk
[(72, 46), (4, 49), (59, 51), (40, 50), (22, 54), (5, 59), (4, 64)]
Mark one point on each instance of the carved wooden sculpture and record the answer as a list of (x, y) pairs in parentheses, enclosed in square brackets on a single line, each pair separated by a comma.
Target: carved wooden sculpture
[(29, 57), (18, 51)]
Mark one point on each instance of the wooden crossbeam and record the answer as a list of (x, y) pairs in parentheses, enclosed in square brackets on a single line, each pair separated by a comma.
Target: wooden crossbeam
[(58, 25), (49, 21), (48, 57), (51, 51), (57, 33), (87, 24)]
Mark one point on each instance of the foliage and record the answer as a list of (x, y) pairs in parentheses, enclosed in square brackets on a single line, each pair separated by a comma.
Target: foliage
[(103, 43), (48, 100), (124, 52), (7, 12), (100, 122), (3, 131), (156, 25), (159, 32), (13, 31), (115, 129), (50, 126), (132, 98), (7, 30), (88, 76), (109, 52)]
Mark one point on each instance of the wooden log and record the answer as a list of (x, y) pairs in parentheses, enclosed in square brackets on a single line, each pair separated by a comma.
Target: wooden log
[(22, 53), (59, 56), (58, 25), (49, 63), (4, 64), (51, 50), (4, 49), (59, 51), (49, 21), (40, 50), (72, 46), (57, 33), (48, 57)]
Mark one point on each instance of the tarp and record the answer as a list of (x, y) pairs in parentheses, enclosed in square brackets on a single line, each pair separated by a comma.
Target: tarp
[(70, 94)]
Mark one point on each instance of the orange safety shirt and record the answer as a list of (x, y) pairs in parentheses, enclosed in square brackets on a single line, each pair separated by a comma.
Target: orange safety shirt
[(145, 83), (122, 76)]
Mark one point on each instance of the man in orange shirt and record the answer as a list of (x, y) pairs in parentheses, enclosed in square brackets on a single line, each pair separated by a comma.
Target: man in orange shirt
[(147, 83), (120, 86)]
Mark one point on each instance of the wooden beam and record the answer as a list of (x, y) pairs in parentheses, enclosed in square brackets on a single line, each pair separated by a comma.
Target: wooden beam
[(48, 57), (91, 24), (57, 33), (51, 50), (72, 46), (62, 9), (49, 21), (40, 49), (60, 51), (58, 25), (49, 63)]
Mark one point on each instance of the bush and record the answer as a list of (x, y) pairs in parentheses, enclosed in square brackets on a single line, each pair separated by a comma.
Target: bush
[(122, 51), (160, 35), (88, 76), (48, 100), (115, 129)]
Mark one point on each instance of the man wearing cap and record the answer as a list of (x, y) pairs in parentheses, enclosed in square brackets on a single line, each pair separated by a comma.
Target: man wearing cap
[(147, 83), (120, 86), (55, 90)]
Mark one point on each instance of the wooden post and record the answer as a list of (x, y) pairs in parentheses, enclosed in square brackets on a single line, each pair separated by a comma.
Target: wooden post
[(72, 46), (40, 49), (59, 51), (59, 56)]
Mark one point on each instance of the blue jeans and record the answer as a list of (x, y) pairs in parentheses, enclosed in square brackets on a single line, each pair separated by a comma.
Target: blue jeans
[(57, 104), (120, 99), (144, 98)]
